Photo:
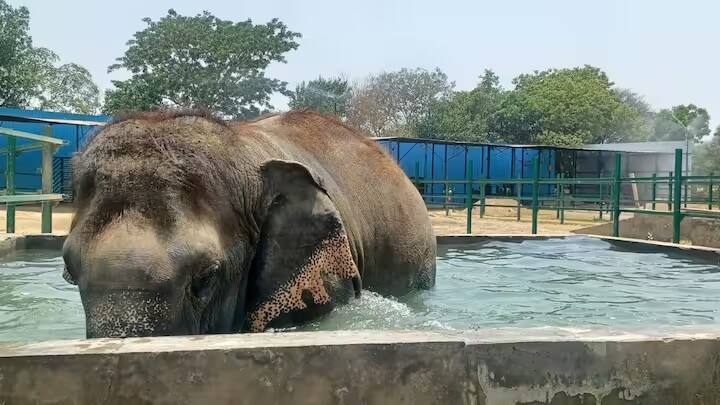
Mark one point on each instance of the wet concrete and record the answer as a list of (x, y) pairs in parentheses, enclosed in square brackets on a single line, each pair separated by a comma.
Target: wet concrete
[(499, 366)]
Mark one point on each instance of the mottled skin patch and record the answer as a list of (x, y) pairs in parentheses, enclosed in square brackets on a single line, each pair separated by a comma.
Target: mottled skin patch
[(127, 313), (331, 260)]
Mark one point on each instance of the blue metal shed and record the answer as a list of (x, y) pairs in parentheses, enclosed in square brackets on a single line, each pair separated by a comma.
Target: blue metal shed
[(73, 129), (447, 160)]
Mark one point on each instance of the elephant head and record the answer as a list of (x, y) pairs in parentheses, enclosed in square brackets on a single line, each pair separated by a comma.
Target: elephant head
[(185, 227)]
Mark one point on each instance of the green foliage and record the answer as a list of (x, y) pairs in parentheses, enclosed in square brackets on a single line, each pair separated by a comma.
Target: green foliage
[(556, 139), (202, 61), (465, 116), (28, 75), (323, 95), (71, 89), (707, 154), (565, 107), (396, 102), (577, 101), (672, 124)]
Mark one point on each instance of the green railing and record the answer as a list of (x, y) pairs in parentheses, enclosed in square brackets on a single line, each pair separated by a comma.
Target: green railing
[(608, 199), (47, 144)]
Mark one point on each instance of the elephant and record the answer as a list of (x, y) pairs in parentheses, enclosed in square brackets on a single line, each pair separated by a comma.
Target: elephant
[(187, 224)]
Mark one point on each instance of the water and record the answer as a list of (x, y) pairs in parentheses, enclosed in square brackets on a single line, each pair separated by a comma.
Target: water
[(578, 281)]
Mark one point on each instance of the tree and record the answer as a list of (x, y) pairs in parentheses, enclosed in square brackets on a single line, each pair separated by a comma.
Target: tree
[(397, 101), (637, 102), (671, 124), (706, 160), (29, 76), (202, 61), (568, 106), (324, 95), (71, 89), (465, 115)]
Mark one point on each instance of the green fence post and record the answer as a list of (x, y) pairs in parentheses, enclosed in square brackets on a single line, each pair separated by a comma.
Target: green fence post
[(47, 177), (446, 198), (535, 194), (482, 198), (654, 190), (518, 190), (602, 200), (616, 195), (710, 190), (562, 201), (685, 197), (677, 215), (557, 197), (468, 199), (670, 191), (10, 183)]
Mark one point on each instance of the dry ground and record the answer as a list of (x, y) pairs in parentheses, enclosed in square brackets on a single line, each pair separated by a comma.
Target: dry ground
[(496, 220)]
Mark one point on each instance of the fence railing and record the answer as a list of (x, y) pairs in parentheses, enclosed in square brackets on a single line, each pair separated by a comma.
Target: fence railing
[(607, 200)]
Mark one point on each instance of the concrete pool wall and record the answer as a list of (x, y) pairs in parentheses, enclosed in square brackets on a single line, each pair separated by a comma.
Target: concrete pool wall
[(559, 366)]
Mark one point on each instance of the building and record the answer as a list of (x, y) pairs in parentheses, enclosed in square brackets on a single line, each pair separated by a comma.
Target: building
[(429, 159)]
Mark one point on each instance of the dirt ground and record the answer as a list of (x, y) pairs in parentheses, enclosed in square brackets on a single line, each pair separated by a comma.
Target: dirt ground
[(496, 220)]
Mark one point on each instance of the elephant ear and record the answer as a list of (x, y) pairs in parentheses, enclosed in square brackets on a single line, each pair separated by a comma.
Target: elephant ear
[(303, 264)]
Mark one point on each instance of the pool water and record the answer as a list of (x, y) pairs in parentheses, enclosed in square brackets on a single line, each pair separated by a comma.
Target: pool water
[(577, 281)]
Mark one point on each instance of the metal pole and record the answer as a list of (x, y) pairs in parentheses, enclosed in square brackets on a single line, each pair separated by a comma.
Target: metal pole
[(654, 189), (562, 201), (616, 195), (710, 190), (518, 191), (535, 192), (10, 183), (677, 215), (469, 202), (670, 191), (602, 197), (47, 176), (687, 162), (557, 197), (482, 198)]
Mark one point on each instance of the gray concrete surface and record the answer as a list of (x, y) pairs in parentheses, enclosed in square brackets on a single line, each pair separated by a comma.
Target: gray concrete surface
[(510, 366), (698, 231)]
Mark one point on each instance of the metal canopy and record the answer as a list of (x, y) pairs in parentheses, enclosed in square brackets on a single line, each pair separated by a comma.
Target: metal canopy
[(18, 118), (34, 137)]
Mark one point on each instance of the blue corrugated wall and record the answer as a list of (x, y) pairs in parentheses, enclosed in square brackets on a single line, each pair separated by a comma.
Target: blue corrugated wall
[(448, 161), (27, 164)]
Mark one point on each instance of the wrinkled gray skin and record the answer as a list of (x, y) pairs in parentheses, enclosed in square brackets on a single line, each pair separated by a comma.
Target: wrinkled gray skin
[(187, 225)]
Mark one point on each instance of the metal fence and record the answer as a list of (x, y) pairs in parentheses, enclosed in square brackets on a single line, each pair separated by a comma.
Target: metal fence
[(606, 199)]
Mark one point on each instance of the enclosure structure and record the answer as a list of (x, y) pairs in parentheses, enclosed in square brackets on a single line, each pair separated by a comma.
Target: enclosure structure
[(47, 145), (436, 160), (71, 129)]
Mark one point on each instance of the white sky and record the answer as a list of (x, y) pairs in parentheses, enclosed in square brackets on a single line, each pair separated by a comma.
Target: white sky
[(664, 50)]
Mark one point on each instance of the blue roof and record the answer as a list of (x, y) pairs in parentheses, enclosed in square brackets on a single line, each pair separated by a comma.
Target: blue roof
[(77, 119)]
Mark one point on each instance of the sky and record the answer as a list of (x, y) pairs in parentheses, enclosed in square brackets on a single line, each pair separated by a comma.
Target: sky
[(666, 51)]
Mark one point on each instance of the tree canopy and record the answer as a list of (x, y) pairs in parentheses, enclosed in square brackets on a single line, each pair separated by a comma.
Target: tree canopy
[(577, 103), (672, 124), (324, 95), (202, 61), (564, 107), (396, 102), (30, 77), (706, 160), (464, 116)]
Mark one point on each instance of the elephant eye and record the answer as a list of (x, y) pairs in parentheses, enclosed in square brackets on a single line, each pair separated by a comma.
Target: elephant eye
[(204, 282)]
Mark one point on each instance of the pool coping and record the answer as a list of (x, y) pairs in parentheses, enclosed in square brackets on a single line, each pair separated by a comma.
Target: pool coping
[(484, 336)]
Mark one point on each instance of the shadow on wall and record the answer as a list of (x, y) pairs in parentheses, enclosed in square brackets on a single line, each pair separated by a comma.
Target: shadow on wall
[(699, 232)]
